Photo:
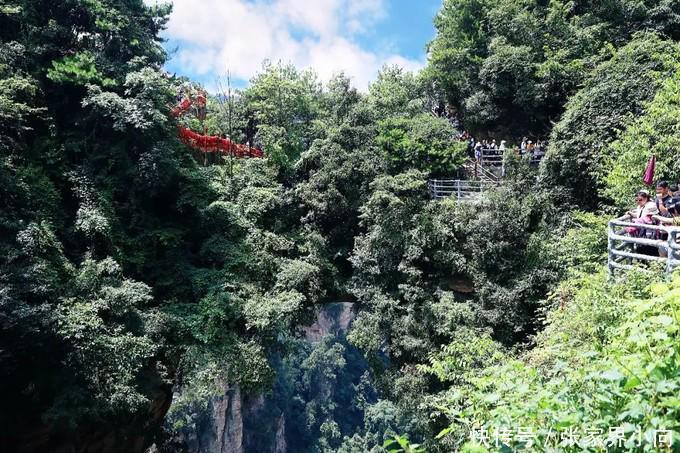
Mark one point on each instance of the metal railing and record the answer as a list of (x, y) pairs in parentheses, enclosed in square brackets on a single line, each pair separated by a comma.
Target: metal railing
[(476, 170), (494, 157), (625, 250), (458, 188)]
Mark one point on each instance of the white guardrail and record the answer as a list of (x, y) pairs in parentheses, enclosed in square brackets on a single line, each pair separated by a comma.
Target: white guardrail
[(624, 250), (458, 188), (494, 157)]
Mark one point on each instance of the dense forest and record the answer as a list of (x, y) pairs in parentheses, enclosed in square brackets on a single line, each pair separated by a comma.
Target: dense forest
[(137, 276)]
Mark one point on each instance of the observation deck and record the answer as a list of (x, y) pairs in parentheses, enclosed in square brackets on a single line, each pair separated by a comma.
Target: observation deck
[(647, 247), (461, 189)]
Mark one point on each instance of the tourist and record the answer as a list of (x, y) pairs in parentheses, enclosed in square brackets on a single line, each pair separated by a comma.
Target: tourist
[(530, 147), (539, 151), (675, 190), (643, 213), (501, 148), (663, 198), (478, 152), (674, 219)]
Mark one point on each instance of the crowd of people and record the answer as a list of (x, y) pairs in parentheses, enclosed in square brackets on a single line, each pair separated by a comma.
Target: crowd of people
[(477, 149), (663, 210)]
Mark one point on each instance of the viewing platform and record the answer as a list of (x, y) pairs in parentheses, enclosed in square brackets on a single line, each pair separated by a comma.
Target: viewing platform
[(491, 166), (625, 251), (461, 189)]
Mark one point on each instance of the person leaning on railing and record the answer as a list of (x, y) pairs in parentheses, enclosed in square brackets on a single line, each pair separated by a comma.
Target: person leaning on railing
[(673, 220), (664, 199), (643, 213), (674, 211)]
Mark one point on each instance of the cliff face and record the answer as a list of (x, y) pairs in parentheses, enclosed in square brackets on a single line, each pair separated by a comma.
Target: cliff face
[(238, 423), (333, 319), (221, 430), (280, 445)]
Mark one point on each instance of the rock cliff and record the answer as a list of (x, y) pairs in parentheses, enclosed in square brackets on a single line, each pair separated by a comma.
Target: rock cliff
[(239, 423)]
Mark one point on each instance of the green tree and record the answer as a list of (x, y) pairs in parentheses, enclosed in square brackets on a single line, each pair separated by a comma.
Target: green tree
[(511, 65), (616, 91), (285, 104), (654, 132), (422, 143)]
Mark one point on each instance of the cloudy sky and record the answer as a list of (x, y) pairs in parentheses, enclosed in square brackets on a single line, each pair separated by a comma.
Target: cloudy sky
[(205, 37)]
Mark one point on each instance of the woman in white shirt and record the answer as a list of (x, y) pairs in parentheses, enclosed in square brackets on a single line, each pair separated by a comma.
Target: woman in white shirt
[(643, 213), (645, 206)]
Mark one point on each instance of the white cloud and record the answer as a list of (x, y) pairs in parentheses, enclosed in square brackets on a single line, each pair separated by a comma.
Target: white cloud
[(240, 34)]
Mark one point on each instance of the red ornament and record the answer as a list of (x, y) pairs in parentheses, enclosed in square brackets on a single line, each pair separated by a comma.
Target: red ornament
[(209, 143)]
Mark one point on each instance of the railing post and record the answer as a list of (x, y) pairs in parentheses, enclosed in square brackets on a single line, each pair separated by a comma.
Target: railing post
[(670, 251), (610, 247)]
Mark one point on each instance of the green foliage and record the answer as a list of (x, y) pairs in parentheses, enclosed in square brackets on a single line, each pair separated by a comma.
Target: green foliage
[(143, 107), (511, 65), (340, 98), (111, 338), (399, 444), (18, 93), (78, 69), (583, 247), (284, 103), (427, 274), (119, 254), (423, 143), (654, 132), (395, 92), (84, 335), (325, 382), (126, 267), (609, 359), (413, 249), (617, 90), (333, 178), (6, 9)]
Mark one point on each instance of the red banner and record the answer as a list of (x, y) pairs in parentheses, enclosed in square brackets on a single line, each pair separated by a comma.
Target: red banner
[(210, 143), (215, 144)]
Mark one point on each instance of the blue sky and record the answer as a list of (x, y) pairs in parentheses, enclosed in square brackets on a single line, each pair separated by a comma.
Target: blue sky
[(357, 36)]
